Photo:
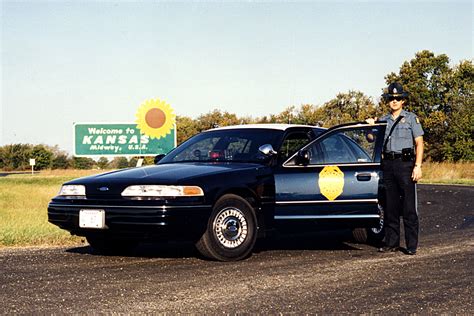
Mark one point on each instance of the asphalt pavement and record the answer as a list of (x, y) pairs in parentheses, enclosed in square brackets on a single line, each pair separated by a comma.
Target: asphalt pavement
[(324, 272)]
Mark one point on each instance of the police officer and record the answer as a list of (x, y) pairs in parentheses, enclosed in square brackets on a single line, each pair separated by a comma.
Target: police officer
[(401, 166)]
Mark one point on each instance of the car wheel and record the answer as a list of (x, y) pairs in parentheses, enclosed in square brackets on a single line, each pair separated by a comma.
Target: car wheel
[(231, 230), (109, 245), (373, 235), (376, 234)]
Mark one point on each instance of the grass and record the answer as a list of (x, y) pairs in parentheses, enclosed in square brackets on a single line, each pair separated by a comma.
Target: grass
[(448, 173), (24, 200)]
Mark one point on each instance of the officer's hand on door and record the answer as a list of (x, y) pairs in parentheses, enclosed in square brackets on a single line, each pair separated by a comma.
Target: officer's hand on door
[(371, 121)]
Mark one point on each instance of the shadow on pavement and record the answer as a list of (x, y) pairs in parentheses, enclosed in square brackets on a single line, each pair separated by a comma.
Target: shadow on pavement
[(321, 240), (324, 240)]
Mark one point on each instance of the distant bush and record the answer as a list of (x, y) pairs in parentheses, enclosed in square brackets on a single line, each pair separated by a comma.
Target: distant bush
[(119, 163), (43, 157), (61, 162), (103, 163), (82, 163)]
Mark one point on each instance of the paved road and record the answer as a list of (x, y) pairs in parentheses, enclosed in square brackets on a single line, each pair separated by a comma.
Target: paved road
[(324, 272)]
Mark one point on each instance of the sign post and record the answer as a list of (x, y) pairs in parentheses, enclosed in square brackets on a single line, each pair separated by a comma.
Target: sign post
[(32, 164)]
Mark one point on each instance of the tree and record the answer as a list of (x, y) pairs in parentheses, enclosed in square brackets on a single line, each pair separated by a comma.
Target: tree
[(458, 143), (119, 163), (439, 95), (102, 163), (15, 156), (42, 156), (149, 161), (287, 116), (4, 158), (60, 158), (186, 127), (310, 115), (423, 78), (82, 163), (272, 118), (306, 114), (217, 118), (347, 107), (132, 162), (61, 161)]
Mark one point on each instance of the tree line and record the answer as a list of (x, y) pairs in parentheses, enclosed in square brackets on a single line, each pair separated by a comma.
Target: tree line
[(17, 157), (441, 96)]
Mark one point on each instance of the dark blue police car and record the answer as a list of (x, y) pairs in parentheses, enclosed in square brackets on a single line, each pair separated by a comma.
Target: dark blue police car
[(227, 186)]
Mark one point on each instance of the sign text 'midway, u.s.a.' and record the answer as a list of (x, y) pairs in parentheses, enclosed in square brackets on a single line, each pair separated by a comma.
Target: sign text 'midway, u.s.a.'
[(119, 139)]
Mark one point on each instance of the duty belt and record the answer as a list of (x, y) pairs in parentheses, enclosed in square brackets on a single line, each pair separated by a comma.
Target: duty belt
[(391, 155)]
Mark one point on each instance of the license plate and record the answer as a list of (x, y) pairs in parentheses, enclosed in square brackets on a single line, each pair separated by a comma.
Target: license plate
[(92, 219)]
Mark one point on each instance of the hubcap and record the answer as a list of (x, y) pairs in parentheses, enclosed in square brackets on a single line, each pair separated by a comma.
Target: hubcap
[(230, 227)]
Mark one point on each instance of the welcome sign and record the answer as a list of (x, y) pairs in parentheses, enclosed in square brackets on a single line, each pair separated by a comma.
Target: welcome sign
[(153, 133), (119, 139)]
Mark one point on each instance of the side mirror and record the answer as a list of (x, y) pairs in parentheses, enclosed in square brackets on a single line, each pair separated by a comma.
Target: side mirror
[(302, 158), (158, 158), (267, 150)]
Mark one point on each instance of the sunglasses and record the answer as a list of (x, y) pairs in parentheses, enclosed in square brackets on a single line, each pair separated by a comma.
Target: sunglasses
[(394, 98)]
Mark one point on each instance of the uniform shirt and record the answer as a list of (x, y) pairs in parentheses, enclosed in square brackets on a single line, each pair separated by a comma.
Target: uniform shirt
[(404, 133)]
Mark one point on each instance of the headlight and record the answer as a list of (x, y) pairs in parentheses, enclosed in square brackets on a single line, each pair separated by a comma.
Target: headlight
[(162, 190), (72, 189)]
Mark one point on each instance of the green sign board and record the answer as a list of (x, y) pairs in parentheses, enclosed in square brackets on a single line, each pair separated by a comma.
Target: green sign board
[(118, 139)]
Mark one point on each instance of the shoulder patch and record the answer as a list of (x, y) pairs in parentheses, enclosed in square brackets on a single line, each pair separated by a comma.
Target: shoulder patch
[(417, 120)]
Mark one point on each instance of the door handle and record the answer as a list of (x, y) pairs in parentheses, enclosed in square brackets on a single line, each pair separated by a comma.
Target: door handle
[(363, 176)]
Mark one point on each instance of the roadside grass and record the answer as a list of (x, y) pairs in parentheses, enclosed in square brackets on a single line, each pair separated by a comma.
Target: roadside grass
[(24, 201), (448, 173)]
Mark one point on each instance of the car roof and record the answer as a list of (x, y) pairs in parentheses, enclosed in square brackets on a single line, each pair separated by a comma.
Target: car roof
[(281, 127)]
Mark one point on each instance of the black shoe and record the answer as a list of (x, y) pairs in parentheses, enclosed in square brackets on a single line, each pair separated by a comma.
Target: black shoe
[(387, 249), (410, 252)]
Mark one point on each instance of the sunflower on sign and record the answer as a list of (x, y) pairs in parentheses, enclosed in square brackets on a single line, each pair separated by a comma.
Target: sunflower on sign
[(155, 118)]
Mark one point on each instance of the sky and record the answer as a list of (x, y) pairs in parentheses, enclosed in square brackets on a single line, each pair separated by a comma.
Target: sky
[(98, 61)]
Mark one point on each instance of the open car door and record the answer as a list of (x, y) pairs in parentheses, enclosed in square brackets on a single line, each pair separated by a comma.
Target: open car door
[(334, 177)]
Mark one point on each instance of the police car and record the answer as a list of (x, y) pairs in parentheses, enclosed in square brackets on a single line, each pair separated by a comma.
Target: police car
[(225, 187)]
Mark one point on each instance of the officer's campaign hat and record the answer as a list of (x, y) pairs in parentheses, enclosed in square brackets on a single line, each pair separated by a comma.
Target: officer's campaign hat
[(395, 90)]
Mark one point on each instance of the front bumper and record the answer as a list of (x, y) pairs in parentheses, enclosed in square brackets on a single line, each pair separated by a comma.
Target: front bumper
[(137, 219)]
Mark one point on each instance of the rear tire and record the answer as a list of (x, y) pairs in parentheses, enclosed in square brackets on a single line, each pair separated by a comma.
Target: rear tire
[(360, 235), (231, 230), (373, 235)]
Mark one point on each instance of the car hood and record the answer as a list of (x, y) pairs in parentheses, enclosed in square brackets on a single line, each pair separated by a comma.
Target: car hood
[(174, 173)]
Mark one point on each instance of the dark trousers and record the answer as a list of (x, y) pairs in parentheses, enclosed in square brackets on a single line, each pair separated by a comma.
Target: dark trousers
[(401, 200)]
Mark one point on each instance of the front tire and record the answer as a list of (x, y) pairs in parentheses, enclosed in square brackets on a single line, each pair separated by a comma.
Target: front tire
[(231, 230)]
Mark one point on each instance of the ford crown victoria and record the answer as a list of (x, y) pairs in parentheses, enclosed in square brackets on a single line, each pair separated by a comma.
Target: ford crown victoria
[(225, 187)]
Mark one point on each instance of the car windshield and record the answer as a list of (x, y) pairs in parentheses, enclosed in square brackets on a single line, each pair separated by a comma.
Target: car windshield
[(234, 145)]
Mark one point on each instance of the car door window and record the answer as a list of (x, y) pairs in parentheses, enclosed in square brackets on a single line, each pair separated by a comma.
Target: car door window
[(333, 149), (292, 143), (345, 146)]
